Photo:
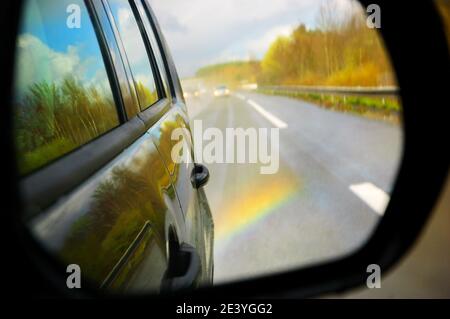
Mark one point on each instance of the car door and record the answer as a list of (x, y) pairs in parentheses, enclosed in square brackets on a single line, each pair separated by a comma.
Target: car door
[(172, 130), (97, 192)]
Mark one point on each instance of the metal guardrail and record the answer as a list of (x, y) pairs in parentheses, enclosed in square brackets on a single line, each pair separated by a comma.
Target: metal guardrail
[(384, 91)]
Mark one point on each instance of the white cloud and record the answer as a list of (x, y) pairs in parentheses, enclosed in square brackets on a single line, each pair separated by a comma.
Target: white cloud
[(205, 31), (146, 80), (260, 45), (131, 37), (214, 30), (253, 48), (135, 49), (36, 62)]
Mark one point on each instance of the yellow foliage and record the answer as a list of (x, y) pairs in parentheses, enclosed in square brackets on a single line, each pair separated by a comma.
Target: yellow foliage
[(365, 75)]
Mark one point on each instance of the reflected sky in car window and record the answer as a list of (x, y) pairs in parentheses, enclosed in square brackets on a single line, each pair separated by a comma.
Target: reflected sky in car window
[(51, 50), (136, 52)]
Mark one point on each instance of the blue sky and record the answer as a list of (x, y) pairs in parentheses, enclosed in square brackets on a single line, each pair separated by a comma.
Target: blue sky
[(47, 21), (49, 50)]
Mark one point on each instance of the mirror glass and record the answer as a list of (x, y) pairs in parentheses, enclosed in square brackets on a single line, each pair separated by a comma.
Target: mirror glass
[(313, 80), (292, 107)]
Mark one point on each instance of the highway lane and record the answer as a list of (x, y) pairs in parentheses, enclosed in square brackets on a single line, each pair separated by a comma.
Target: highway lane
[(336, 171)]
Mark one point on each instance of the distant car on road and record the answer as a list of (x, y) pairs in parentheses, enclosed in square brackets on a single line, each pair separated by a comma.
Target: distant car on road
[(221, 90), (191, 93), (187, 94)]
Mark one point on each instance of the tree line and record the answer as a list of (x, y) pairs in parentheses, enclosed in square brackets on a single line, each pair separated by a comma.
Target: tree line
[(341, 50)]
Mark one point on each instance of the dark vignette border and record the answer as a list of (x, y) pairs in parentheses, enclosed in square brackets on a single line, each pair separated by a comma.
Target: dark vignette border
[(422, 69)]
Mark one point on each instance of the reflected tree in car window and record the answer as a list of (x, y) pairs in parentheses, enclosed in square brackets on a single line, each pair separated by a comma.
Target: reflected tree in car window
[(62, 94), (136, 53)]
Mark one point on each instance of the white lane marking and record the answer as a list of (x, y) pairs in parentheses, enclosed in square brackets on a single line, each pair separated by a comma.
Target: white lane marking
[(272, 118), (375, 197)]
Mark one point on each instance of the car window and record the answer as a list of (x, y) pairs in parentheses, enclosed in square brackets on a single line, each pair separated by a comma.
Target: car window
[(136, 52), (129, 97), (154, 44), (62, 95)]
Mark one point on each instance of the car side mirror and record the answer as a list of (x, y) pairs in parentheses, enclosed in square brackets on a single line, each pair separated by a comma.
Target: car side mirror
[(422, 76)]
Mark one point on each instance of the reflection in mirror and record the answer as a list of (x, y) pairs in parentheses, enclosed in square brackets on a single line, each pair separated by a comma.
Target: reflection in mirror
[(61, 86), (135, 52), (292, 107), (316, 75), (108, 235)]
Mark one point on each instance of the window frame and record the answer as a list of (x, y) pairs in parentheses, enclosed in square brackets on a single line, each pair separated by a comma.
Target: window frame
[(104, 5), (150, 51), (157, 51), (163, 49), (120, 69), (154, 112), (124, 56), (110, 68), (112, 80), (44, 186), (171, 72)]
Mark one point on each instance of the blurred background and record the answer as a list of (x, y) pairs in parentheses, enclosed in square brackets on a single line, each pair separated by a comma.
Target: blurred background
[(319, 73)]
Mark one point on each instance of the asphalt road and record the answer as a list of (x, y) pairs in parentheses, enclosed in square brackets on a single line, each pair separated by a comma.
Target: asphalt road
[(335, 174)]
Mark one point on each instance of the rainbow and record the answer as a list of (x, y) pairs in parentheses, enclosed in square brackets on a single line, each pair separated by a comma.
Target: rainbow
[(253, 202)]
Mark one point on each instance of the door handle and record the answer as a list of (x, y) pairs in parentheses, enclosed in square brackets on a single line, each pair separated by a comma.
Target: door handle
[(183, 271), (199, 175)]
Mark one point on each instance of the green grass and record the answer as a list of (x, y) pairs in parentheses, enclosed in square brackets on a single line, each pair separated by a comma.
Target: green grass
[(52, 119), (373, 107), (38, 157)]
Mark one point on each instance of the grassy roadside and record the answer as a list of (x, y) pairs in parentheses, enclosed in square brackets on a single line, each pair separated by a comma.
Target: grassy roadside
[(385, 109)]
